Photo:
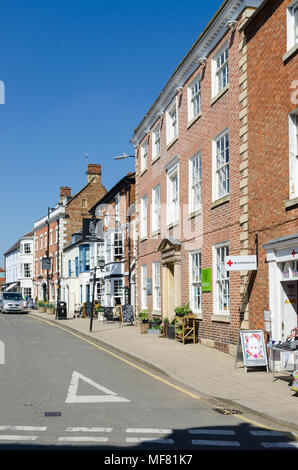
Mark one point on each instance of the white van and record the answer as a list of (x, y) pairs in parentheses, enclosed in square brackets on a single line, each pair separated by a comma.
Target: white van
[(11, 302)]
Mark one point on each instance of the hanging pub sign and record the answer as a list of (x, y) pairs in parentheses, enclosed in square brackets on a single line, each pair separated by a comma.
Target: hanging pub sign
[(92, 228), (251, 349), (46, 264), (241, 263)]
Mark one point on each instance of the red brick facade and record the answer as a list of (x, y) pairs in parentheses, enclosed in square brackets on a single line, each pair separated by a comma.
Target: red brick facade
[(273, 213), (218, 221)]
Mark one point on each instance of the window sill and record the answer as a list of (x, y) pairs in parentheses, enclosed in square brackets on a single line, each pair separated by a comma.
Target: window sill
[(220, 202), (156, 233), (195, 119), (155, 159), (291, 203), (219, 95), (290, 53), (223, 318), (194, 214), (143, 171), (143, 239), (170, 144), (172, 224)]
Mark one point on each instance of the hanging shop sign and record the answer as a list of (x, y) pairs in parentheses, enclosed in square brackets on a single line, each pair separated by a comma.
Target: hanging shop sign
[(241, 263), (206, 279), (46, 264)]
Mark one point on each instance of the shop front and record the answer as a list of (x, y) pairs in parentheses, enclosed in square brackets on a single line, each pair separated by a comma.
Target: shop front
[(282, 259)]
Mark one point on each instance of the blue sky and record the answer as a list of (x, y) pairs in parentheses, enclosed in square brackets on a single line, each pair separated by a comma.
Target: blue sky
[(79, 76)]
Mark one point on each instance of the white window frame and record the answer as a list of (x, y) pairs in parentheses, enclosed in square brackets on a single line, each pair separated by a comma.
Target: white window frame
[(144, 299), (172, 122), (173, 209), (156, 208), (221, 280), (144, 156), (195, 281), (118, 245), (292, 25), (195, 183), (144, 221), (221, 165), (156, 274), (293, 155), (156, 142), (220, 70), (194, 98)]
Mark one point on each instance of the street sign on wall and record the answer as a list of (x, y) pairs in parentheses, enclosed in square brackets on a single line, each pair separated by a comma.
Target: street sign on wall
[(241, 263)]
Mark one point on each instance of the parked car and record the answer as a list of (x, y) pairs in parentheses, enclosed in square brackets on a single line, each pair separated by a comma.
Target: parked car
[(11, 302)]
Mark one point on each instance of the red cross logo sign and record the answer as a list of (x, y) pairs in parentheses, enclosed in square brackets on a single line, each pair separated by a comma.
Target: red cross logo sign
[(293, 253), (230, 263)]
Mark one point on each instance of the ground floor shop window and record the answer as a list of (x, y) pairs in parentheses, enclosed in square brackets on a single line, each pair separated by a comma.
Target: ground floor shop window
[(195, 282)]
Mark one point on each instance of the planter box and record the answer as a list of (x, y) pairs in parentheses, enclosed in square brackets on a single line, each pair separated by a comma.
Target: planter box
[(41, 309), (50, 311), (152, 331), (144, 327), (171, 332)]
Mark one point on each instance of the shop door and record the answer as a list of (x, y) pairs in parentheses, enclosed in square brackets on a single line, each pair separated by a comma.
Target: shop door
[(289, 307)]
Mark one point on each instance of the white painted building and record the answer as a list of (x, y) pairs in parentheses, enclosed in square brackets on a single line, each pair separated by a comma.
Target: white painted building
[(26, 256), (12, 267)]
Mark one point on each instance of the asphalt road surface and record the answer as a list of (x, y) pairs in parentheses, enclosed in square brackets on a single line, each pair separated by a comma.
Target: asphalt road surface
[(59, 391)]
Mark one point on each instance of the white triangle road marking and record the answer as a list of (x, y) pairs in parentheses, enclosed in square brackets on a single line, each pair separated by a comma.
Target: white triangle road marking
[(73, 397)]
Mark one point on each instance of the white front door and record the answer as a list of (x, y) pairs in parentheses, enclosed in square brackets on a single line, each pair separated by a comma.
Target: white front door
[(289, 307)]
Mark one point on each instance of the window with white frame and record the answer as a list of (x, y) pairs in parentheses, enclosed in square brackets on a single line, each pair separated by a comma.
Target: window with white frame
[(156, 208), (293, 154), (51, 237), (221, 280), (172, 122), (27, 270), (220, 70), (195, 267), (118, 246), (118, 289), (144, 303), (292, 24), (144, 156), (194, 98), (144, 216), (156, 142), (173, 194), (221, 166), (27, 248), (156, 286), (195, 182), (117, 208), (41, 240)]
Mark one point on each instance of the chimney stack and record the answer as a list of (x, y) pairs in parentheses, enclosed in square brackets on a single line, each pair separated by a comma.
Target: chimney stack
[(94, 173), (65, 191)]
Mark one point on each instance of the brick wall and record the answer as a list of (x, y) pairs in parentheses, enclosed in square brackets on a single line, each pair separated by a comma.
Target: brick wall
[(269, 104)]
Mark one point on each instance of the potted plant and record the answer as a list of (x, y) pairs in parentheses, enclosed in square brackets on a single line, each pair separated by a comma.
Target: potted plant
[(50, 309), (171, 330), (165, 327), (41, 307), (155, 321), (154, 330), (144, 319), (183, 310)]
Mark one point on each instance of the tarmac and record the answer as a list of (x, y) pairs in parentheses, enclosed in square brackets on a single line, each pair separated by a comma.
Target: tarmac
[(211, 374)]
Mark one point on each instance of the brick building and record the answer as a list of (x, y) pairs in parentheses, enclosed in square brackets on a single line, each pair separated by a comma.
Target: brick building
[(192, 208), (272, 163), (53, 231)]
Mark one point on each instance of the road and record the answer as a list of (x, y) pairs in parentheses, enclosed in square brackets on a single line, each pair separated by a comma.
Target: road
[(59, 391)]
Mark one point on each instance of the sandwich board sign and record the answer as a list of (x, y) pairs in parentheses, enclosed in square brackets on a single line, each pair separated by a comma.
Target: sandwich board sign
[(251, 349)]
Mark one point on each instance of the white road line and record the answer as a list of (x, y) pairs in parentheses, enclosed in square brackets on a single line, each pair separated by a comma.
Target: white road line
[(219, 432), (83, 439), (136, 440), (17, 438), (286, 445), (23, 428), (2, 353), (267, 433), (149, 431), (203, 442), (81, 429)]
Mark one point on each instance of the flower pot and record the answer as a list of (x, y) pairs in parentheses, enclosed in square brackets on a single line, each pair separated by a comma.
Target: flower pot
[(41, 309), (171, 331), (144, 327), (50, 311), (153, 331)]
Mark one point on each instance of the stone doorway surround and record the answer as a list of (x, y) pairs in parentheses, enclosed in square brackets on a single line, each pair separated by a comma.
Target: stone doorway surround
[(170, 250)]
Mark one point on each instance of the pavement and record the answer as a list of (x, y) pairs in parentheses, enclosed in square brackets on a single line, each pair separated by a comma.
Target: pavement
[(211, 374)]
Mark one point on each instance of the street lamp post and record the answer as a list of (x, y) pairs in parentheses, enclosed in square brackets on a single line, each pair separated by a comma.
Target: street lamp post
[(100, 265)]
